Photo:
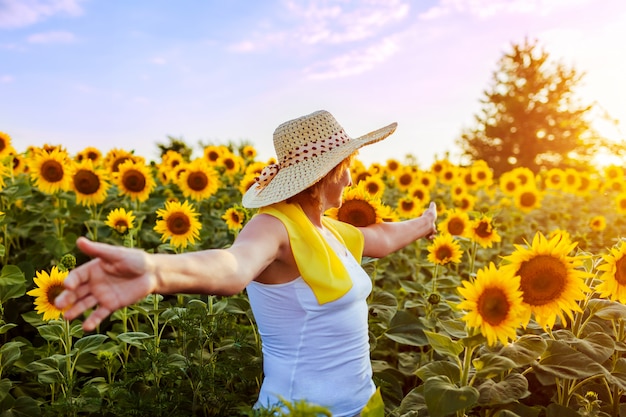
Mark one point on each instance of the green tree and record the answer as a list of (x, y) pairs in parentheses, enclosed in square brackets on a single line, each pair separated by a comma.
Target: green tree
[(530, 116)]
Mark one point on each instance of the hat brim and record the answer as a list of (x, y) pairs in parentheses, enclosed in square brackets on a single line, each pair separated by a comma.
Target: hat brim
[(296, 178)]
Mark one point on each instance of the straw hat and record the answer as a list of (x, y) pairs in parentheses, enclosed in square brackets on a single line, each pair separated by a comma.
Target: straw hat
[(307, 148)]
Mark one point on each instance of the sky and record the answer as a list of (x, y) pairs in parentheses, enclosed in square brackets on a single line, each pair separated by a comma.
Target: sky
[(118, 74)]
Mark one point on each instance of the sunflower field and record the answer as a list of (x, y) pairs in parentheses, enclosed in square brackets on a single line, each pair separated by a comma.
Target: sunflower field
[(515, 308)]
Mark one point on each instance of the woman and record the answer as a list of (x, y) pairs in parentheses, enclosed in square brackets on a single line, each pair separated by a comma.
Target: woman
[(300, 269)]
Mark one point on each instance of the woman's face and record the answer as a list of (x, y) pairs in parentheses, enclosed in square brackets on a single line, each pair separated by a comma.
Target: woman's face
[(333, 190)]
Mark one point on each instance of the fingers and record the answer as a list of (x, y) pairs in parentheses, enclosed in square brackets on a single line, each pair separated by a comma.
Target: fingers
[(95, 318)]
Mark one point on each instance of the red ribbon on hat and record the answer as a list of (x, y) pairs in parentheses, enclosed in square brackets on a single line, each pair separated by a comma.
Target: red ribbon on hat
[(267, 173)]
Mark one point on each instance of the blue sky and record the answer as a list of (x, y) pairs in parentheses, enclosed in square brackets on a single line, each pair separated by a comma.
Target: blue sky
[(126, 74)]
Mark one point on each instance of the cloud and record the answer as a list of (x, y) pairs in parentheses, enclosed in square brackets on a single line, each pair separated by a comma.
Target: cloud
[(490, 8), (6, 79), (20, 13), (52, 37), (354, 62), (325, 22)]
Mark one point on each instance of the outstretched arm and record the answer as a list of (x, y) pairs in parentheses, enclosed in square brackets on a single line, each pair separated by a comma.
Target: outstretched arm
[(119, 276), (381, 239)]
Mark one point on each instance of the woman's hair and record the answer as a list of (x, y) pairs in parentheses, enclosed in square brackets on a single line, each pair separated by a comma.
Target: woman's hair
[(315, 191)]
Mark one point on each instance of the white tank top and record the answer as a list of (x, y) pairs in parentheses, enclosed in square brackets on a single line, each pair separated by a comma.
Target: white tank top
[(312, 352)]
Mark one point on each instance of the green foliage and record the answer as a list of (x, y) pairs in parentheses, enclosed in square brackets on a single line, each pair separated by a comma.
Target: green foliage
[(192, 355)]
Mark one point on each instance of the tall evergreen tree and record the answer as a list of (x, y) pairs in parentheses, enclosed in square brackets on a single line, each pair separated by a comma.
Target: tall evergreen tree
[(530, 116)]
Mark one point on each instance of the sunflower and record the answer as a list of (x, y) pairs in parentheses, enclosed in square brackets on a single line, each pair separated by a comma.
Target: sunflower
[(246, 182), (89, 183), (171, 159), (51, 171), (179, 222), (405, 178), (509, 183), (571, 180), (427, 179), (212, 153), (5, 145), (90, 153), (481, 174), (614, 186), (455, 223), (555, 178), (550, 280), (234, 218), (465, 202), (248, 152), (199, 180), (392, 166), (116, 157), (374, 185), (613, 278), (408, 207), (620, 203), (444, 249), (613, 172), (527, 198), (449, 174), (255, 168), (358, 208), (493, 302), (597, 223), (483, 232), (134, 180), (49, 286), (120, 220), (18, 164), (231, 163), (420, 193), (524, 175), (438, 166)]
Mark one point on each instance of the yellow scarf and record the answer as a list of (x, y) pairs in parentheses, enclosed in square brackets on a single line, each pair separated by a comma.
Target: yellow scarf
[(317, 262)]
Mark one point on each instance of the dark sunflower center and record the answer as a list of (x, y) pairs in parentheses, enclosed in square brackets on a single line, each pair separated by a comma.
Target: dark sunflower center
[(620, 270), (178, 223), (115, 167), (405, 179), (134, 181), (528, 199), (510, 186), (213, 156), (234, 217), (443, 252), (229, 164), (197, 181), (483, 229), (53, 292), (456, 226), (543, 279), (407, 205), (86, 182), (52, 171), (121, 225), (419, 194), (358, 213), (372, 188), (493, 306), (3, 144)]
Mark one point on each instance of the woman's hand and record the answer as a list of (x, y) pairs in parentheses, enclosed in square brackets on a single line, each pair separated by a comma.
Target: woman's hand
[(431, 216), (116, 277)]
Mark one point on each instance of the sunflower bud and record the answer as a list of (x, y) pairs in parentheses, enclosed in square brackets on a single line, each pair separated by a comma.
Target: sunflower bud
[(434, 299), (67, 262)]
